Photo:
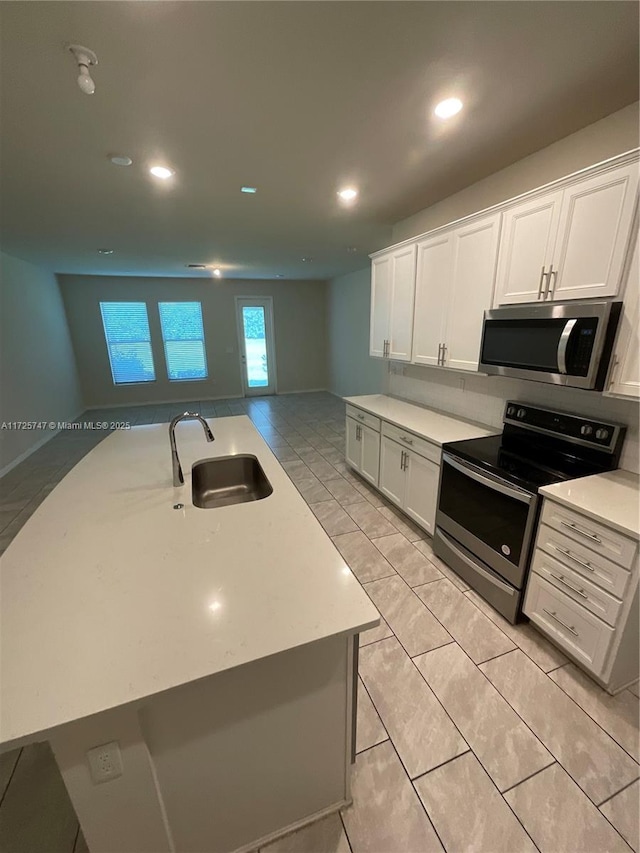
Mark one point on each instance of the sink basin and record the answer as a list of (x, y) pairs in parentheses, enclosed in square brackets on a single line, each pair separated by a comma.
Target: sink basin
[(228, 480)]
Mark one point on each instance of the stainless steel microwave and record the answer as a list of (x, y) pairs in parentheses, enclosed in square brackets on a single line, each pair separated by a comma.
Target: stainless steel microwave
[(561, 343)]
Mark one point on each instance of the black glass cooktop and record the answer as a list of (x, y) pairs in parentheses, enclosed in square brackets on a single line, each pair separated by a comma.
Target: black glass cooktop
[(529, 460)]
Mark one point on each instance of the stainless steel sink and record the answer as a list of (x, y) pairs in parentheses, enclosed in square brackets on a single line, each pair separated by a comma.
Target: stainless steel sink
[(228, 480)]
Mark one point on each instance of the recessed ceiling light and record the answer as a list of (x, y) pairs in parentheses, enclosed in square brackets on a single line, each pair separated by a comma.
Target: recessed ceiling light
[(217, 272), (120, 160), (448, 108), (279, 275), (249, 189), (105, 251), (161, 172), (196, 266), (307, 260), (348, 194), (352, 249)]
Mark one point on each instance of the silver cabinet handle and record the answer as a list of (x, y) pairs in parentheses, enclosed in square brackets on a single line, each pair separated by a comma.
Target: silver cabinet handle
[(402, 460), (575, 589), (560, 622), (444, 353), (574, 527), (407, 440), (575, 559), (551, 287), (542, 275), (360, 417), (439, 352), (358, 432), (406, 461)]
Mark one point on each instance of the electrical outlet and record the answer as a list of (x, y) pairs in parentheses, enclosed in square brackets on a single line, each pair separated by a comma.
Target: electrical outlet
[(105, 762)]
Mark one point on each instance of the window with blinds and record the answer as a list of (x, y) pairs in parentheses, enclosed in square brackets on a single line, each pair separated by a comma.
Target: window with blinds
[(183, 336), (126, 331)]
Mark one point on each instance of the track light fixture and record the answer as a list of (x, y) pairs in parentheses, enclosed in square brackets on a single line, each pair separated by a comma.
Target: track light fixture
[(84, 58)]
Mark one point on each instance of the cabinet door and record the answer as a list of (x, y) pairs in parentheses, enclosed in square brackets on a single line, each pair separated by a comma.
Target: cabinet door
[(403, 288), (392, 475), (353, 445), (370, 459), (528, 238), (625, 371), (381, 271), (433, 273), (475, 253), (421, 496), (593, 235)]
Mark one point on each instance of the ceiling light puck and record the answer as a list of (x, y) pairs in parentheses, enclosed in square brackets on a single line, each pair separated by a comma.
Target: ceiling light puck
[(120, 160), (105, 251)]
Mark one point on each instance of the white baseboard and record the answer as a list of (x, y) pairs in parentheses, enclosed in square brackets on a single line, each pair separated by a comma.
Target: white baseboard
[(25, 455)]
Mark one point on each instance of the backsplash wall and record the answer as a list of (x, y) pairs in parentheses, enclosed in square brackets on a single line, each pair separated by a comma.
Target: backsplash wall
[(482, 399)]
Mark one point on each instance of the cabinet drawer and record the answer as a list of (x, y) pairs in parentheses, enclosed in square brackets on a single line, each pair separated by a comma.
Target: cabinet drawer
[(594, 535), (410, 441), (363, 417), (594, 567), (577, 587), (572, 627)]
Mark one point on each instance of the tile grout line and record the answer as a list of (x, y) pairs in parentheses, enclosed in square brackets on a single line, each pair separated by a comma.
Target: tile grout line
[(531, 775), (624, 788)]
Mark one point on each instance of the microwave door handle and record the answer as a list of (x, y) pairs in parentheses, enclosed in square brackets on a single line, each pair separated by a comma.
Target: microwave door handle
[(490, 482), (563, 343)]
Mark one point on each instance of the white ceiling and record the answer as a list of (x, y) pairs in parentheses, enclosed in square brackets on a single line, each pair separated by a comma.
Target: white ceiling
[(296, 98)]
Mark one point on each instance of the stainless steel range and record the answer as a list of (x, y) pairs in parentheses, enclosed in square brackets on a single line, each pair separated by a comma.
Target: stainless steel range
[(488, 500)]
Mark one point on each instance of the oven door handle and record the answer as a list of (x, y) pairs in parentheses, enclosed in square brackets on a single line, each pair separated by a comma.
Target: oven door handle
[(487, 480), (563, 343), (476, 568)]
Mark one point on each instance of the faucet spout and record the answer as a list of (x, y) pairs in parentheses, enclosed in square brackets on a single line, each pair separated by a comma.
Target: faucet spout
[(178, 476)]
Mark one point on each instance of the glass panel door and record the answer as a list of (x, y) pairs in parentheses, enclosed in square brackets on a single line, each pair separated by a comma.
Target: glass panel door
[(255, 329)]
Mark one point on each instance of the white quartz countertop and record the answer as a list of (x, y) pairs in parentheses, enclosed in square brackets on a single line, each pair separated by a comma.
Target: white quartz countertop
[(108, 595), (434, 426), (612, 498)]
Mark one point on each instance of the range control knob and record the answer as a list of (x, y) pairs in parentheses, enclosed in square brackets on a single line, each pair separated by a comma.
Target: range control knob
[(521, 413), (602, 433), (511, 410), (585, 429)]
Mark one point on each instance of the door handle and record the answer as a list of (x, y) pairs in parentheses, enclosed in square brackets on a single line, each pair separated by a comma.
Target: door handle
[(551, 287), (444, 353), (542, 275), (563, 343), (439, 352)]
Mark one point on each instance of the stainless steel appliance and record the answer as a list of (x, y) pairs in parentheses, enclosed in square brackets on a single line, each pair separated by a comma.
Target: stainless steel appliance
[(488, 500), (562, 343)]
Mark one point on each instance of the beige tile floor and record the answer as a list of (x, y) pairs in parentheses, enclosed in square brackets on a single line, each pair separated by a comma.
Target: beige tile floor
[(473, 734)]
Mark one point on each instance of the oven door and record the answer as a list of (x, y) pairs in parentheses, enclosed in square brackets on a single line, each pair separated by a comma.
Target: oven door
[(492, 518)]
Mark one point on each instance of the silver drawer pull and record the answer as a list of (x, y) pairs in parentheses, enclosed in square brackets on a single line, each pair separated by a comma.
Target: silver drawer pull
[(361, 417), (568, 585), (560, 622), (576, 529), (575, 559), (408, 440)]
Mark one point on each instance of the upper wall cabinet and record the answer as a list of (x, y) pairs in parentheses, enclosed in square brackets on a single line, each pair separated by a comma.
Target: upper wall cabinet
[(624, 378), (393, 277), (569, 243), (454, 286)]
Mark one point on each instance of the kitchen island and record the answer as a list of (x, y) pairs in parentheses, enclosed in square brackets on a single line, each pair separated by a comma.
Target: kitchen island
[(215, 647)]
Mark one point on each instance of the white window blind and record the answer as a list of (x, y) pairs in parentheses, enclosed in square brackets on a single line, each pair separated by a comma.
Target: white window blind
[(126, 330), (183, 336)]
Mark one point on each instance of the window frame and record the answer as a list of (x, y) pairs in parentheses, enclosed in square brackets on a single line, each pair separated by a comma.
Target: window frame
[(109, 343), (201, 340)]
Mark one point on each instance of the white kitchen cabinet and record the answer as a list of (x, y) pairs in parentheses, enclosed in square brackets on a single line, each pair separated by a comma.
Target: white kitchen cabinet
[(624, 378), (409, 479), (526, 250), (421, 496), (433, 272), (570, 243), (393, 278), (392, 476), (454, 286), (362, 447)]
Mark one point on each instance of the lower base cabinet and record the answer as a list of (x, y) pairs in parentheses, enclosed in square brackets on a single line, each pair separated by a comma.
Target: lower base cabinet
[(410, 481), (362, 451)]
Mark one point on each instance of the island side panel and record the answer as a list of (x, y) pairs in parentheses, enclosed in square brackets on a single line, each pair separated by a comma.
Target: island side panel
[(123, 815), (248, 753)]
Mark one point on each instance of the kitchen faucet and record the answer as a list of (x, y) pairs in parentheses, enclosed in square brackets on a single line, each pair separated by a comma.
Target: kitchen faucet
[(178, 478)]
